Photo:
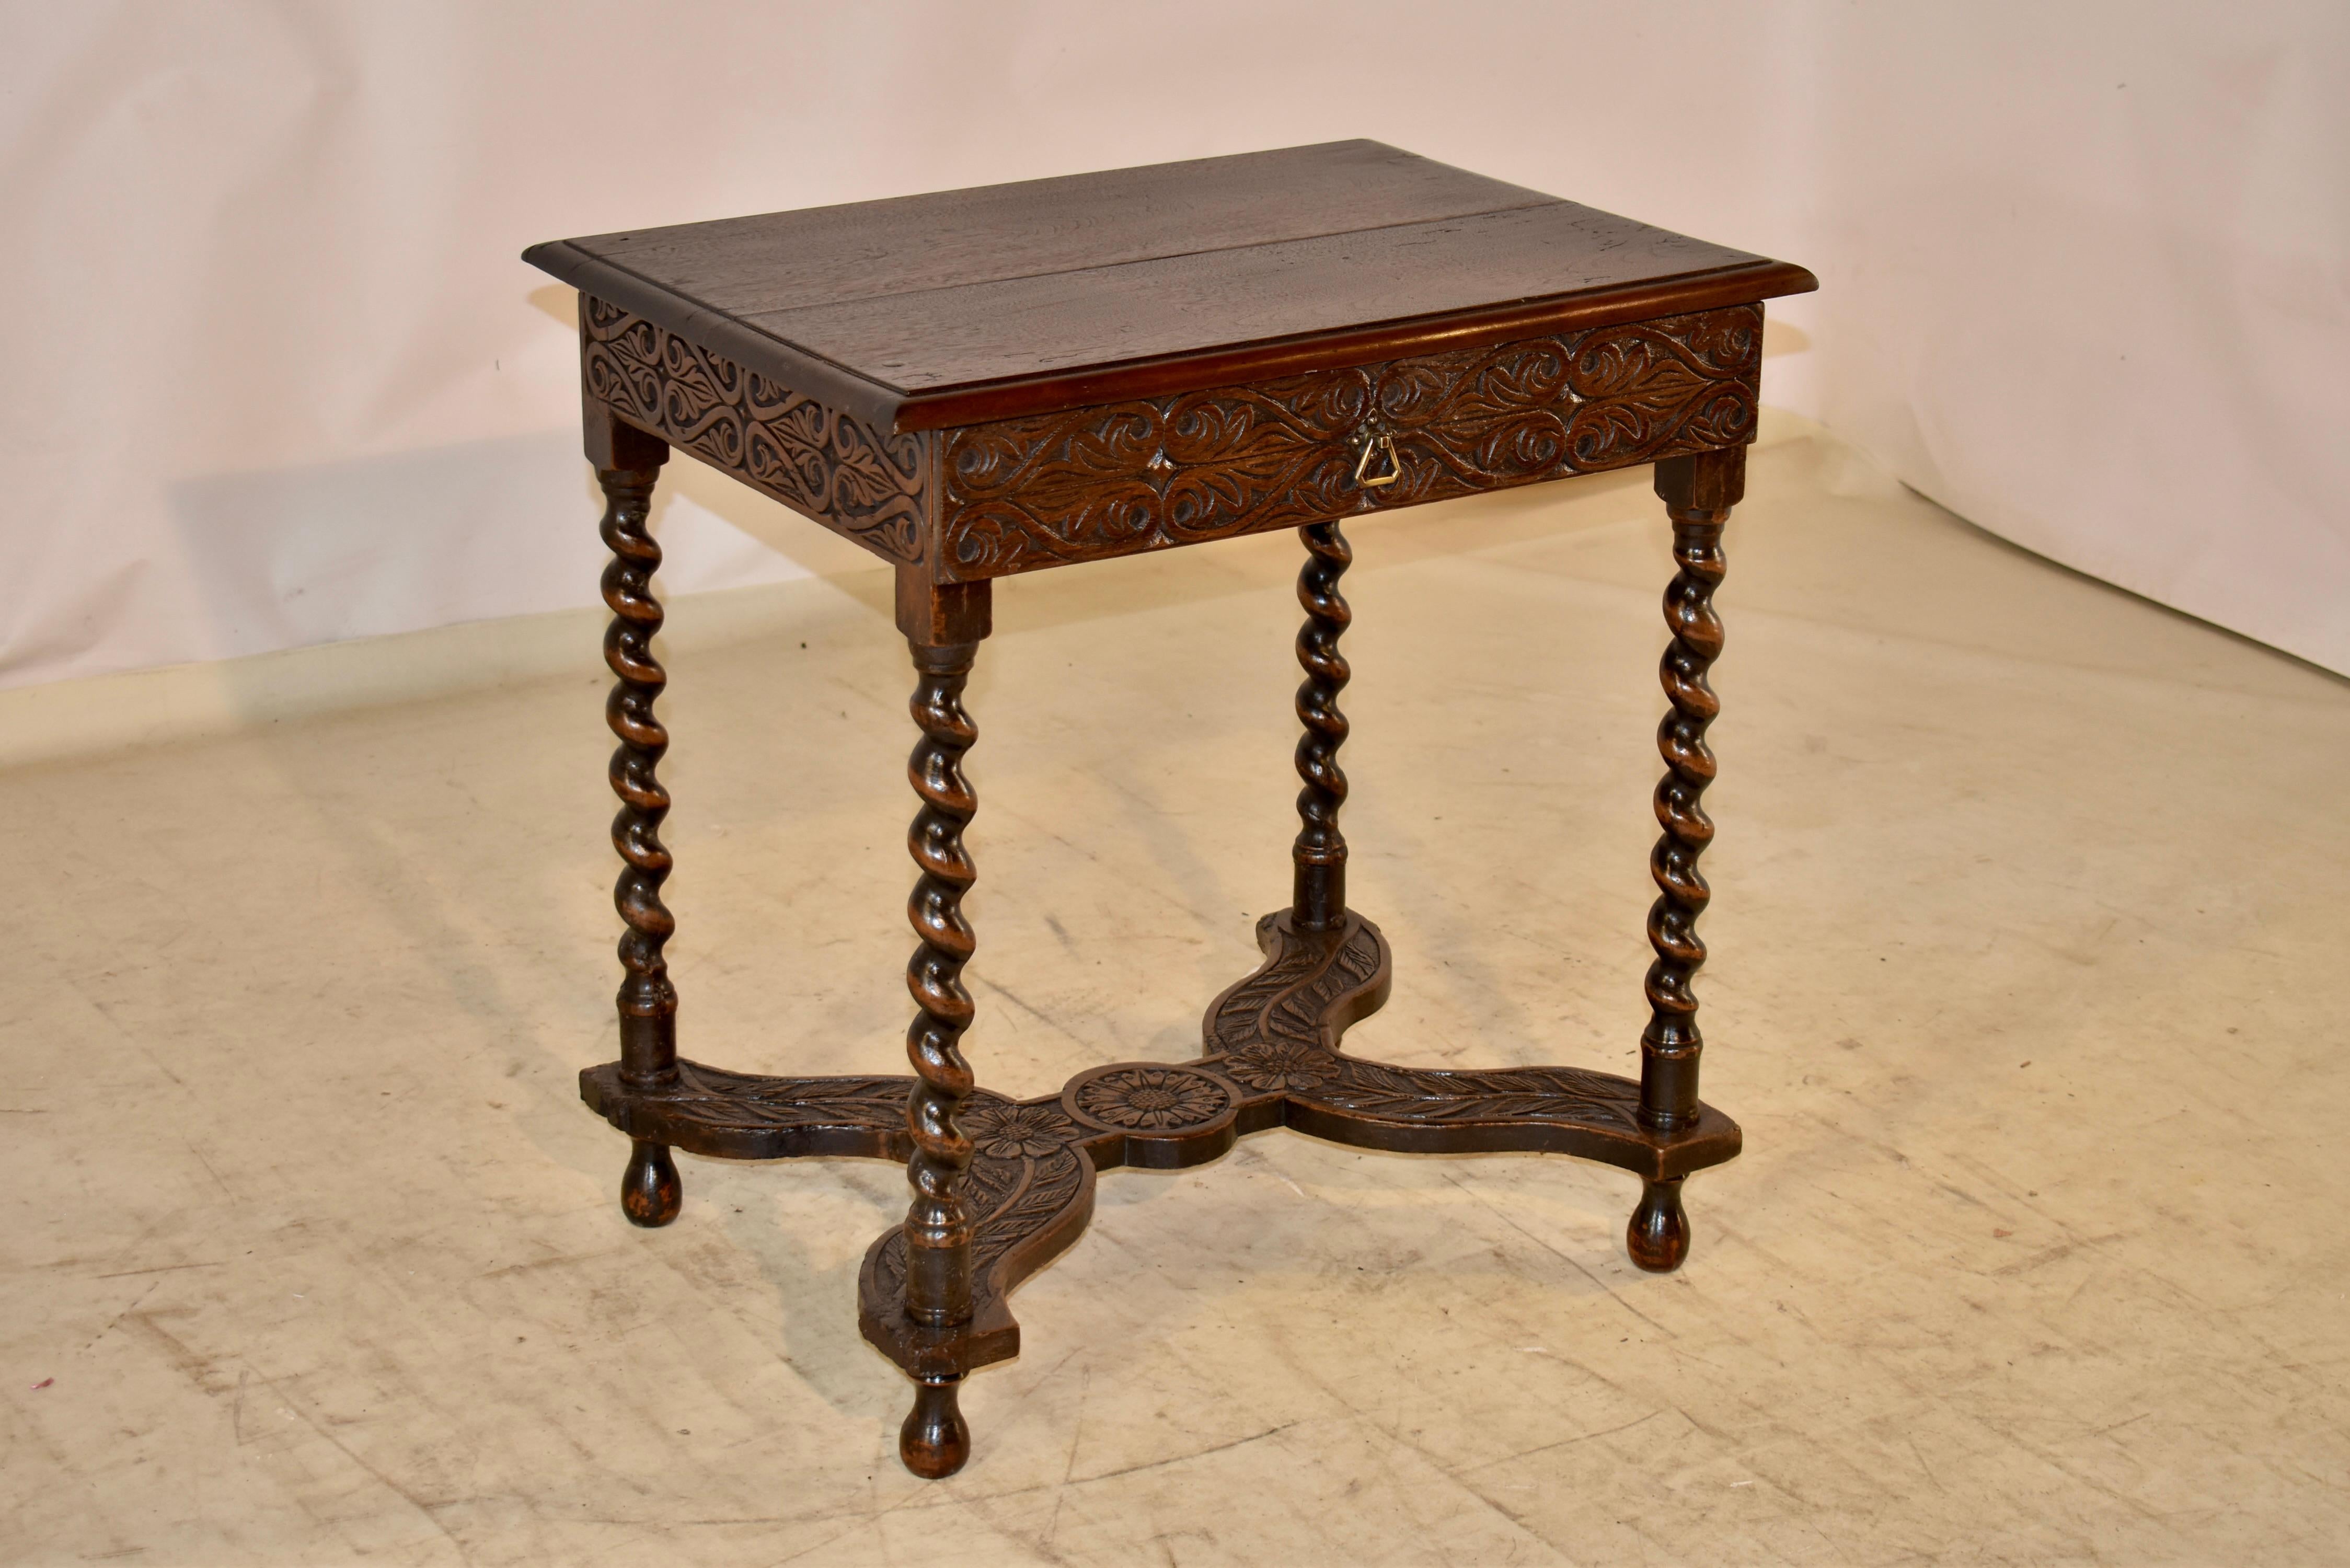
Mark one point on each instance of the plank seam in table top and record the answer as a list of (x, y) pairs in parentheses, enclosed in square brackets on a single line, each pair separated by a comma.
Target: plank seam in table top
[(797, 345)]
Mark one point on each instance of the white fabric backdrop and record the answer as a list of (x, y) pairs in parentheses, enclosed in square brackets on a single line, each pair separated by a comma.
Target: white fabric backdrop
[(276, 378)]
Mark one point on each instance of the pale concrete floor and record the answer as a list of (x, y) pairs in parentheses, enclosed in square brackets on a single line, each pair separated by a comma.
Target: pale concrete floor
[(2029, 936)]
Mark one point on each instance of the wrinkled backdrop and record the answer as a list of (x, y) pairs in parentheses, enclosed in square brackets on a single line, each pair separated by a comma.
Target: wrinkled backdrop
[(275, 377)]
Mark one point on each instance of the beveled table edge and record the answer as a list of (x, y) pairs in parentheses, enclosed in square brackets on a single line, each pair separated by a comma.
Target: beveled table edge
[(900, 411)]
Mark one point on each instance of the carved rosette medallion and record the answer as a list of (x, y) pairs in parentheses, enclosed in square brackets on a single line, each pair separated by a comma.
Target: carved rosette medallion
[(1151, 1098), (1016, 1132), (1275, 1066), (1273, 1058)]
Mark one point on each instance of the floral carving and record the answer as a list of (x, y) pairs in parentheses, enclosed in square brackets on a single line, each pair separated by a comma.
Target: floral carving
[(1279, 1064), (1120, 478), (1152, 1099), (1029, 1186), (1285, 1002), (1148, 475), (1525, 1094), (808, 456), (1015, 1132), (1014, 1201), (715, 1097)]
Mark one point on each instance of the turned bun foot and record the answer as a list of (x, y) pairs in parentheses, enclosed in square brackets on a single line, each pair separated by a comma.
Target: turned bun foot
[(650, 1191), (935, 1441), (1658, 1236)]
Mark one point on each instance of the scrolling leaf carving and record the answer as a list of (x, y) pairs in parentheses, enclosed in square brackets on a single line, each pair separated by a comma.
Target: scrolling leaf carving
[(815, 459), (1151, 473)]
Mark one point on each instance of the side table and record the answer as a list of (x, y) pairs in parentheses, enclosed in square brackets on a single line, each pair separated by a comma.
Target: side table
[(984, 382)]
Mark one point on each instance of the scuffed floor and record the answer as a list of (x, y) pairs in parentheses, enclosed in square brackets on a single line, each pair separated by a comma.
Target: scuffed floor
[(2029, 938)]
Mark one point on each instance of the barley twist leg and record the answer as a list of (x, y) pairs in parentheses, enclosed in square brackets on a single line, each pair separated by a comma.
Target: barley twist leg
[(1698, 492), (934, 1440), (650, 1189), (1319, 900)]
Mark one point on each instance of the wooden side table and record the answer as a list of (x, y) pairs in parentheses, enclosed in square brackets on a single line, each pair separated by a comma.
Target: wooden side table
[(984, 382)]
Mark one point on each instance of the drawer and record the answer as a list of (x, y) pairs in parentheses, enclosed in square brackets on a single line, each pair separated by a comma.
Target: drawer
[(1117, 479), (1121, 478)]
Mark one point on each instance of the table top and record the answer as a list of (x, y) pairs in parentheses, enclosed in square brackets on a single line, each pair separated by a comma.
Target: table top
[(925, 311)]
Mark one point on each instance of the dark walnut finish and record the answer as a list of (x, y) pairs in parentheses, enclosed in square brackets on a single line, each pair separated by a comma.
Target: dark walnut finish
[(982, 383), (872, 487), (1012, 496), (1017, 494)]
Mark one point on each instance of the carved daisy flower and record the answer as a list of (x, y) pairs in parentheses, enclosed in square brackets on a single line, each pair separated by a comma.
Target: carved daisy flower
[(1152, 1097), (1014, 1132), (1279, 1064)]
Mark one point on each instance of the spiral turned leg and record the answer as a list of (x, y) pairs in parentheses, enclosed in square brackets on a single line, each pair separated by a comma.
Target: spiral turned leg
[(937, 1226), (943, 626), (1697, 493), (1319, 902), (649, 1192)]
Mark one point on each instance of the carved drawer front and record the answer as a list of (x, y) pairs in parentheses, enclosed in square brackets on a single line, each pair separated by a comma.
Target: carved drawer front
[(1121, 478)]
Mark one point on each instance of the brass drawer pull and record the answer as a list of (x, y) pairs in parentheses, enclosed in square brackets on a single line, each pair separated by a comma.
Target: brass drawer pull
[(1384, 445)]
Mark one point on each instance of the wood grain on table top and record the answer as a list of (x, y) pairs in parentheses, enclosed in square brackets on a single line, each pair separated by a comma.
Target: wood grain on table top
[(925, 311)]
